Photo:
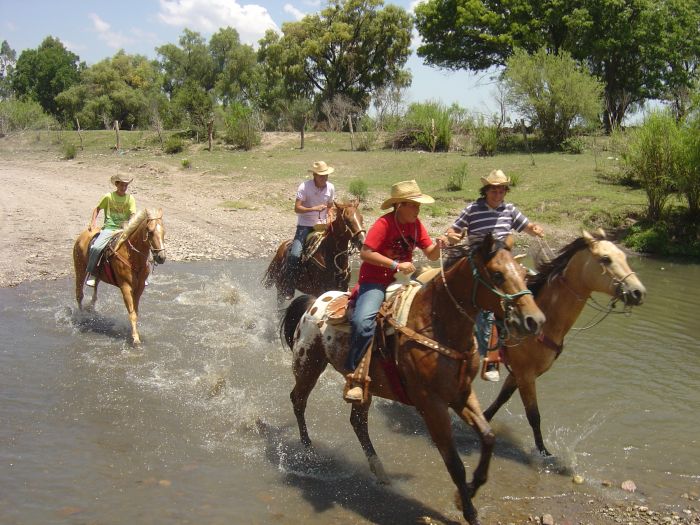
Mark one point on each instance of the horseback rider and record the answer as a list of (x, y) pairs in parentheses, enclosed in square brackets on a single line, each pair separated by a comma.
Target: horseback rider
[(119, 207), (388, 248), (491, 214), (313, 199)]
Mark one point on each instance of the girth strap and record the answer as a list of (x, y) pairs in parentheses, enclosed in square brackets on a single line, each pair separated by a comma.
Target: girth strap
[(546, 341)]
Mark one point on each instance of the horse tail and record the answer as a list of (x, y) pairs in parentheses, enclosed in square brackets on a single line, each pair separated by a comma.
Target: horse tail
[(271, 274), (292, 316)]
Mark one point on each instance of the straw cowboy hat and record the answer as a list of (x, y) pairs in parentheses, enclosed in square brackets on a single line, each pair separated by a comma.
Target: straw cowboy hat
[(405, 191), (121, 178), (321, 168), (496, 178)]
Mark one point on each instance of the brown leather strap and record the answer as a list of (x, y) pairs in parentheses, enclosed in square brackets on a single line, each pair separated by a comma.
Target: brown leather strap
[(427, 342), (546, 341)]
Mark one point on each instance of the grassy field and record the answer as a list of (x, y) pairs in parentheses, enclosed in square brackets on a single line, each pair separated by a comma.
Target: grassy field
[(561, 191)]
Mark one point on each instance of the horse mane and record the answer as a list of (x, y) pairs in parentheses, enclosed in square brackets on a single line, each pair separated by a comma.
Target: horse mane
[(460, 251), (548, 271), (134, 224)]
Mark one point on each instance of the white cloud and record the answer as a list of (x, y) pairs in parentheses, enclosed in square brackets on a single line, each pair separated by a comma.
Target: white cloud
[(113, 39), (208, 16), (289, 8)]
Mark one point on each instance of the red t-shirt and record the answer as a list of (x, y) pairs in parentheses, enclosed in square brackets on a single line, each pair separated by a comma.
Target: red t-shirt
[(394, 240)]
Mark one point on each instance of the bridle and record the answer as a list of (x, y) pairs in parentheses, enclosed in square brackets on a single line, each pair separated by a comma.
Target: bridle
[(507, 300), (148, 238)]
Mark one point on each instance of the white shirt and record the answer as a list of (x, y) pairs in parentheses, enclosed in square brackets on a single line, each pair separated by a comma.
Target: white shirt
[(311, 196)]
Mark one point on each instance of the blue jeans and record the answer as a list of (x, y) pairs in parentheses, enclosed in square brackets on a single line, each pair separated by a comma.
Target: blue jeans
[(97, 247), (364, 321), (482, 329), (294, 255)]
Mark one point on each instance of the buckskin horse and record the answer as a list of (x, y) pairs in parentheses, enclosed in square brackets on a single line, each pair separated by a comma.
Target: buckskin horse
[(435, 357), (125, 261), (561, 289), (329, 267)]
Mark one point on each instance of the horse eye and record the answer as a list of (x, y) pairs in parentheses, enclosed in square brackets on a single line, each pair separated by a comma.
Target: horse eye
[(498, 278), (605, 260)]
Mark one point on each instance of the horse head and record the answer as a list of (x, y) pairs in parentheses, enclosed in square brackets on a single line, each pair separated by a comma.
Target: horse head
[(155, 234), (349, 221), (606, 270), (503, 289)]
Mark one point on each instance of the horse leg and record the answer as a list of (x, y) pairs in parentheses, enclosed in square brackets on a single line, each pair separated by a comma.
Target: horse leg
[(307, 369), (437, 419), (509, 386), (358, 420), (472, 415), (131, 304), (528, 394)]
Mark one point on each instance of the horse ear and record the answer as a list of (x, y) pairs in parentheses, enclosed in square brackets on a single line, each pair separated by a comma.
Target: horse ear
[(587, 237), (601, 233)]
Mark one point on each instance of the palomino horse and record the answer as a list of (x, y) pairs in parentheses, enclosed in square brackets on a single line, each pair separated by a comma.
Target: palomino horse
[(329, 268), (125, 264), (561, 288), (434, 355)]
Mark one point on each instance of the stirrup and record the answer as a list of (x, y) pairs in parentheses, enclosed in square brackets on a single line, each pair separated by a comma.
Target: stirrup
[(352, 382)]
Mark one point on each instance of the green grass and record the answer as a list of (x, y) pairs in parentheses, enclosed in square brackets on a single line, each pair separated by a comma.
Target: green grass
[(238, 205), (557, 189)]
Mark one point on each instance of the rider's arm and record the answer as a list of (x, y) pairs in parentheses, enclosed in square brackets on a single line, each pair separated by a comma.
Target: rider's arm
[(300, 208), (534, 229), (93, 218), (370, 256), (432, 252)]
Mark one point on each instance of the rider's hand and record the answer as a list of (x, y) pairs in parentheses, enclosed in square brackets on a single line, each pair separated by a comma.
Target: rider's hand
[(406, 268)]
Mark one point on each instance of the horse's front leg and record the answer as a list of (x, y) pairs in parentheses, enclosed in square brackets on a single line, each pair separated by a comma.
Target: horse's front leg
[(131, 304), (472, 415), (528, 394), (437, 420), (509, 386), (359, 422)]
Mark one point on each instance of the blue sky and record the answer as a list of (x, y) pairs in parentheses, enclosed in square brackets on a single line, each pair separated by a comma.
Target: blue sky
[(95, 30)]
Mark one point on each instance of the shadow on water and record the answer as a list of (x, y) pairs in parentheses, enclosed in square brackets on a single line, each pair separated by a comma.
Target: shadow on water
[(404, 420), (89, 320), (311, 472)]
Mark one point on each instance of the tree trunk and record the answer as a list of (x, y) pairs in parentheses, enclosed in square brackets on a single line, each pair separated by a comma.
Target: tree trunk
[(116, 130), (79, 134), (210, 131), (352, 133)]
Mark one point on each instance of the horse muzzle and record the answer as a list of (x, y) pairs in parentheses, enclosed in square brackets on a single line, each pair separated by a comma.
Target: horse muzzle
[(631, 295), (525, 323), (159, 256)]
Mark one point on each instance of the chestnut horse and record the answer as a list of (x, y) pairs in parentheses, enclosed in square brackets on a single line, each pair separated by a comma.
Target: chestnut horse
[(329, 268), (126, 263), (561, 288), (434, 355)]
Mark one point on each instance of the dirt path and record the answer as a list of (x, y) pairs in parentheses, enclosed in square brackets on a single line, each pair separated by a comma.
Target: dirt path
[(45, 205)]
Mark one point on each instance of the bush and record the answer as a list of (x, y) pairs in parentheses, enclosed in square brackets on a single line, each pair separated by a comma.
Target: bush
[(573, 145), (174, 144), (486, 138), (243, 127), (186, 164), (358, 188), (367, 134), (456, 181), (426, 126), (69, 150), (17, 115)]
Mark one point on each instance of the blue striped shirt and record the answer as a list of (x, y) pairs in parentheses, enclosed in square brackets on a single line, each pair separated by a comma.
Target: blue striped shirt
[(479, 219)]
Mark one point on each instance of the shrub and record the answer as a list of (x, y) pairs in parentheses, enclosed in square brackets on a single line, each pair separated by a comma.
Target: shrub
[(426, 126), (243, 127), (367, 134), (69, 150), (173, 145), (486, 138), (358, 188), (456, 180), (17, 115), (573, 145), (186, 164)]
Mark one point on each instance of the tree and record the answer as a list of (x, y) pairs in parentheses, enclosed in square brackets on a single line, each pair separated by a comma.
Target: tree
[(552, 91), (236, 69), (627, 44), (42, 73), (118, 88), (8, 59), (351, 48)]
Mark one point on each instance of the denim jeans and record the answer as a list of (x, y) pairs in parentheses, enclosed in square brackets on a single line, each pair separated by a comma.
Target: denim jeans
[(364, 321), (482, 329), (97, 247), (294, 255)]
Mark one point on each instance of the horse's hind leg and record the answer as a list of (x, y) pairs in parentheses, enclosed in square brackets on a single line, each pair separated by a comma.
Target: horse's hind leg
[(307, 368), (358, 419)]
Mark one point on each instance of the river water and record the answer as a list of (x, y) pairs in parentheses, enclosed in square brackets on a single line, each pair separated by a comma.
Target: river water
[(196, 425)]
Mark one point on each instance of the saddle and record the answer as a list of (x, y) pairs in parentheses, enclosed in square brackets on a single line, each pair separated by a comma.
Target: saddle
[(106, 251)]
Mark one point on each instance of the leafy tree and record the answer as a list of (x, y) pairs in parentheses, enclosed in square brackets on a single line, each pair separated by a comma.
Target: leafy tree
[(628, 44), (118, 88), (552, 92), (350, 48), (42, 73), (236, 69), (8, 59)]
